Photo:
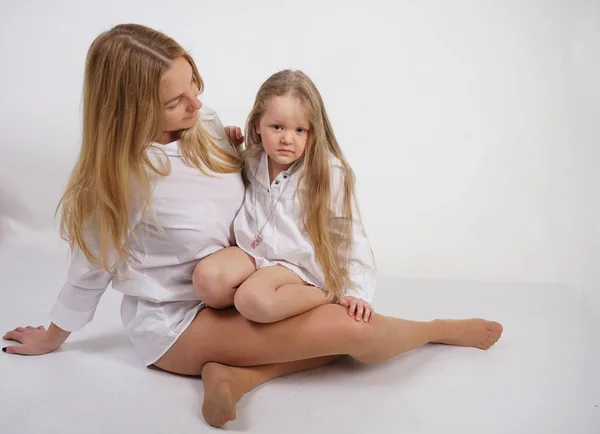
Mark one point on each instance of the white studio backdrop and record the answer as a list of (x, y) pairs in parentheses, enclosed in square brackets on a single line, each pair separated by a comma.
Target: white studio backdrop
[(471, 125)]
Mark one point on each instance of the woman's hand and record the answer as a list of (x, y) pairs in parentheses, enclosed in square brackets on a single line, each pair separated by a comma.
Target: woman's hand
[(235, 135), (361, 308), (35, 341)]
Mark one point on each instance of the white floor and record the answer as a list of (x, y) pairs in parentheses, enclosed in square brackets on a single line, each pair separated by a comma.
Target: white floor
[(542, 377)]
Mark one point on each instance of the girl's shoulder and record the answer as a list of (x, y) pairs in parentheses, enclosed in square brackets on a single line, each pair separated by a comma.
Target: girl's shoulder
[(251, 162), (340, 172), (335, 162), (337, 170), (254, 166)]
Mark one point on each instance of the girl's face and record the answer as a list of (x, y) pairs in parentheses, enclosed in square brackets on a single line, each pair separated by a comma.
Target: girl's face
[(179, 97), (283, 128)]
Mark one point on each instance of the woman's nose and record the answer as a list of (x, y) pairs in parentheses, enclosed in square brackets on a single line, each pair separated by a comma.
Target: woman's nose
[(196, 103)]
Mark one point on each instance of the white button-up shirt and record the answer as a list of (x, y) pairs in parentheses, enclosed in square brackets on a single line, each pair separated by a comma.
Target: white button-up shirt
[(196, 213), (274, 207)]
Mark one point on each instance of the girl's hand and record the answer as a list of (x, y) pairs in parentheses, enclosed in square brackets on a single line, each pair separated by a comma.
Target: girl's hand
[(361, 308), (35, 341), (235, 135)]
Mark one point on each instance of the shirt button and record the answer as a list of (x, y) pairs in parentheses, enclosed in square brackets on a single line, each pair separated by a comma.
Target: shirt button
[(276, 182), (284, 176)]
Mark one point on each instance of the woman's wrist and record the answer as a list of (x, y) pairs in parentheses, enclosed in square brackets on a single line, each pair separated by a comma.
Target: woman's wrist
[(56, 335)]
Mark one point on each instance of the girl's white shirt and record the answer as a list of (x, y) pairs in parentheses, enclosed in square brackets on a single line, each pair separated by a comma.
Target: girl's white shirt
[(284, 241)]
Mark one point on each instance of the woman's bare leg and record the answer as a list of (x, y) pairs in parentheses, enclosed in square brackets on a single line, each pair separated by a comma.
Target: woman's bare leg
[(226, 337), (225, 385), (276, 293), (217, 277)]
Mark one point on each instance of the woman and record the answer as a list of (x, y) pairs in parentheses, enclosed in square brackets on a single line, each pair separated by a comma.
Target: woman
[(155, 190)]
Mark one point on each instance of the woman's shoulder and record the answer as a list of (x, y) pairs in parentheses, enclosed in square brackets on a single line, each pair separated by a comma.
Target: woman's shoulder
[(212, 124), (207, 113)]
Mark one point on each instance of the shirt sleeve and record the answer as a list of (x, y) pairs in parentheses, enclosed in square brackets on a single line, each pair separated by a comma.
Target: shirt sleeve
[(80, 294), (361, 261), (213, 124), (85, 284)]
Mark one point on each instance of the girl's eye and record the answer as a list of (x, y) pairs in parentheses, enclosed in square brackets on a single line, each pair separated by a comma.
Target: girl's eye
[(300, 130), (277, 127)]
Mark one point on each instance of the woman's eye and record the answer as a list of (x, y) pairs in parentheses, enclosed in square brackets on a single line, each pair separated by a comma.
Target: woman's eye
[(172, 106)]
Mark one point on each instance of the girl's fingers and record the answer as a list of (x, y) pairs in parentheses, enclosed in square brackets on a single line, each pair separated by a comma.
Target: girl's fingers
[(359, 311)]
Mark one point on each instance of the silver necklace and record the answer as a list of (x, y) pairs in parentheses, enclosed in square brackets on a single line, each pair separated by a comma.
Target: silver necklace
[(258, 238)]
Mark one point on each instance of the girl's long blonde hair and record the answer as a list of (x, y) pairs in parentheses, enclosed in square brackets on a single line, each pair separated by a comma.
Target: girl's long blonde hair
[(121, 117), (331, 235)]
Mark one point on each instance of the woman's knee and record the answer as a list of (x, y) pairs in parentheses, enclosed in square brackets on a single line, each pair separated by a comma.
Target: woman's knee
[(254, 305), (345, 327)]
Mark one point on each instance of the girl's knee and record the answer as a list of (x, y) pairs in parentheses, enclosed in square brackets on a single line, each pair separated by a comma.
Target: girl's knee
[(208, 283), (254, 305)]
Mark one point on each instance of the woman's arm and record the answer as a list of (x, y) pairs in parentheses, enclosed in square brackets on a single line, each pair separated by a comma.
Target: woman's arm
[(35, 341), (73, 309), (75, 305)]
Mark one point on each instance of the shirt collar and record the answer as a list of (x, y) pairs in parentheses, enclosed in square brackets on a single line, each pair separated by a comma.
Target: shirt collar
[(261, 171)]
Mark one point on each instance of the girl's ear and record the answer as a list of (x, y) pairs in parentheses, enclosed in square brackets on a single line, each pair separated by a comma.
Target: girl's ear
[(257, 128)]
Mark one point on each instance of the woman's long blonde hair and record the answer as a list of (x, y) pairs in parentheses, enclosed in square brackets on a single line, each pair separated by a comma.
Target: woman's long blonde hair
[(331, 235), (121, 117)]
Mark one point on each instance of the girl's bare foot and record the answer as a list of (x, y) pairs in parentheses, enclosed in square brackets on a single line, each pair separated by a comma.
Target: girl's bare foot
[(477, 333)]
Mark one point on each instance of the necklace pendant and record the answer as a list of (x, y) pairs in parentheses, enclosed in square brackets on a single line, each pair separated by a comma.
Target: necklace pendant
[(254, 244)]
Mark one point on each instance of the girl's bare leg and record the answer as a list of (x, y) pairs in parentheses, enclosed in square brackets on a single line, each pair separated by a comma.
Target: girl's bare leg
[(225, 385), (217, 277), (226, 337), (276, 293)]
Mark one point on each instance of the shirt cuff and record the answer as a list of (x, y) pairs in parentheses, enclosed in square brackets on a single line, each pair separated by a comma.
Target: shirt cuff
[(68, 318)]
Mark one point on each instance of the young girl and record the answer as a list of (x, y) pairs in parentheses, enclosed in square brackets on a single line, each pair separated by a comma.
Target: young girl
[(300, 237)]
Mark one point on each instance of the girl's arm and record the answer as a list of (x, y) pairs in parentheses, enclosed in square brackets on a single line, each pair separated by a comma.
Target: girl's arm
[(235, 135), (361, 261)]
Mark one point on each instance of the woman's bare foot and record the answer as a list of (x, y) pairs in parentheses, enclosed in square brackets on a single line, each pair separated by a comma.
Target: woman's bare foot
[(220, 398), (476, 332), (225, 385)]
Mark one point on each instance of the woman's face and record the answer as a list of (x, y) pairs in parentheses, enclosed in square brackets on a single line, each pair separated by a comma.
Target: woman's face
[(179, 97)]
